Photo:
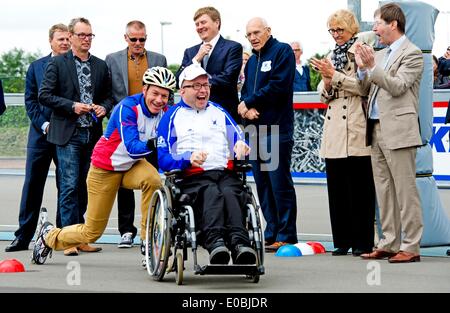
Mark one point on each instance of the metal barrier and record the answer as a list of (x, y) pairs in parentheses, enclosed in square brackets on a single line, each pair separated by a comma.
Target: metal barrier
[(309, 112)]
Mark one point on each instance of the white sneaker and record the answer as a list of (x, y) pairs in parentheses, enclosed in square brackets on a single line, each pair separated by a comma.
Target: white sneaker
[(43, 217), (126, 241)]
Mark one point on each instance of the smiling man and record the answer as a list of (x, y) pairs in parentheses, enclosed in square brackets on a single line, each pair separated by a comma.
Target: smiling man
[(117, 161), (77, 88), (221, 58), (126, 68), (201, 139)]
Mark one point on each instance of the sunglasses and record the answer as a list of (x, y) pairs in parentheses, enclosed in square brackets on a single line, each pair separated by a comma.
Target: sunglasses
[(136, 39)]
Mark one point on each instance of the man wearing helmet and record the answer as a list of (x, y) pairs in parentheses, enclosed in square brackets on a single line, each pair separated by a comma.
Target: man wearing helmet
[(117, 161)]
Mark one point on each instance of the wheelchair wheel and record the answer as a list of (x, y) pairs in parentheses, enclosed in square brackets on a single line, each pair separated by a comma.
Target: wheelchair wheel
[(180, 268), (157, 249), (258, 233)]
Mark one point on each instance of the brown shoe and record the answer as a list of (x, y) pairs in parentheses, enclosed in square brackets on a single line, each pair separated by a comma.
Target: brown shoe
[(377, 255), (88, 248), (275, 246), (71, 251), (404, 257)]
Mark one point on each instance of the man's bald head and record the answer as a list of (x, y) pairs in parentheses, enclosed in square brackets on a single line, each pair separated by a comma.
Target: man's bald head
[(258, 32)]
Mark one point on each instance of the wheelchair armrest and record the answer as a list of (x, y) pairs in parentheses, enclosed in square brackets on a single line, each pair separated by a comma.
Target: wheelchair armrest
[(242, 166), (173, 173)]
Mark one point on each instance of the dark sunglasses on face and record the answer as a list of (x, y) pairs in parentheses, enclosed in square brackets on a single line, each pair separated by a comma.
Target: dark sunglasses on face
[(136, 39)]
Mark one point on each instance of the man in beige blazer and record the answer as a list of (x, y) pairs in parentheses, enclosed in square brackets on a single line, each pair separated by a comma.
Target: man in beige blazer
[(392, 77)]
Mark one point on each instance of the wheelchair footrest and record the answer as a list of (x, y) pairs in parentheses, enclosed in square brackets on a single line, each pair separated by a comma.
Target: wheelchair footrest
[(228, 270)]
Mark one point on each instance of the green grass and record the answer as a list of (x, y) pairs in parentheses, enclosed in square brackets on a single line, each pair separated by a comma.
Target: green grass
[(14, 125), (13, 141)]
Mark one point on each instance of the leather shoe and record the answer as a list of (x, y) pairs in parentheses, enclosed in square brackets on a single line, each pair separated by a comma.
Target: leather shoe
[(71, 251), (404, 257), (377, 255), (358, 252), (88, 248), (16, 245), (448, 252), (340, 251)]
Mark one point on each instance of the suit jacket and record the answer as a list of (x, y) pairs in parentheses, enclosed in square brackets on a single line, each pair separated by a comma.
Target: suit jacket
[(224, 66), (60, 89), (398, 95), (37, 113), (118, 68), (2, 99)]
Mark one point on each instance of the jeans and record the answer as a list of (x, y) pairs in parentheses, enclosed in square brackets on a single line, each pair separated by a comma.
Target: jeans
[(74, 160)]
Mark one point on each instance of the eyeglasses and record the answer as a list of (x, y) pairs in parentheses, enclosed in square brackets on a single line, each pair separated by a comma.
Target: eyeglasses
[(257, 33), (297, 50), (338, 31), (198, 86), (84, 36), (132, 39)]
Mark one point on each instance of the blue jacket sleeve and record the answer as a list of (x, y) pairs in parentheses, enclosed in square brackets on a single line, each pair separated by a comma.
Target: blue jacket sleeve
[(129, 133), (2, 99), (31, 99), (168, 159)]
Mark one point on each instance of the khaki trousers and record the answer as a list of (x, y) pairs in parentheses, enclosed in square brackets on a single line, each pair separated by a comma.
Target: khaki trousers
[(394, 174), (102, 189)]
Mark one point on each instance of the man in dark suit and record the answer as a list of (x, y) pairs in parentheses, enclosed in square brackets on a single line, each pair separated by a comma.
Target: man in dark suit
[(126, 68), (40, 152), (221, 58), (77, 87), (2, 99)]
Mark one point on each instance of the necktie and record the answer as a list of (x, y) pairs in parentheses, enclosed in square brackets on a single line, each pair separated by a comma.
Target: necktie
[(205, 61)]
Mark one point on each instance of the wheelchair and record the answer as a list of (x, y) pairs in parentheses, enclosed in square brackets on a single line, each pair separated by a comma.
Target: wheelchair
[(170, 232)]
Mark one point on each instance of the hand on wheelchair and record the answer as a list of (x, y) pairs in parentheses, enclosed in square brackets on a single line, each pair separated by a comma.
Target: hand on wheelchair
[(198, 158), (241, 149)]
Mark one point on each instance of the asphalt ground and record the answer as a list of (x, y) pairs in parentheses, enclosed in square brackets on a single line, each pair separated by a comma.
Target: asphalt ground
[(119, 270)]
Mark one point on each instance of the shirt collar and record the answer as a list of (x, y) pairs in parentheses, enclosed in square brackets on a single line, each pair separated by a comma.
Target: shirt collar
[(140, 56), (396, 44), (214, 41), (187, 106)]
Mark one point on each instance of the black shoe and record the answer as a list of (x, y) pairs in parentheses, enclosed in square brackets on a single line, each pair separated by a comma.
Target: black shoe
[(358, 252), (448, 252), (340, 251), (244, 255), (219, 255), (16, 245)]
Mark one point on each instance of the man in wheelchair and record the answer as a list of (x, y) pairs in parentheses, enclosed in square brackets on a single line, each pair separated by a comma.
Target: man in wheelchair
[(117, 161), (200, 138)]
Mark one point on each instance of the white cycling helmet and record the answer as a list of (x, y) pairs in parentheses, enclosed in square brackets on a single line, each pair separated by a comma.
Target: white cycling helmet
[(161, 77)]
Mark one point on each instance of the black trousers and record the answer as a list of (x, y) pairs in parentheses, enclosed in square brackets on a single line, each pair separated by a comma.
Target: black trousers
[(218, 201), (125, 208), (351, 198), (36, 172)]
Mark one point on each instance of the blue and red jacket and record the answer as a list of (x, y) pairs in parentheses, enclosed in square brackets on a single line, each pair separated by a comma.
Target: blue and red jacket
[(125, 140)]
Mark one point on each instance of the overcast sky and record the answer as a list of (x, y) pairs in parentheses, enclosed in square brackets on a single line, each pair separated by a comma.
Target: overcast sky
[(25, 23)]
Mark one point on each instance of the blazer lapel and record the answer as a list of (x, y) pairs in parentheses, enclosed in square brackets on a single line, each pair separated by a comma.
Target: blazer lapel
[(216, 52), (94, 74), (72, 70), (123, 63), (399, 52)]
